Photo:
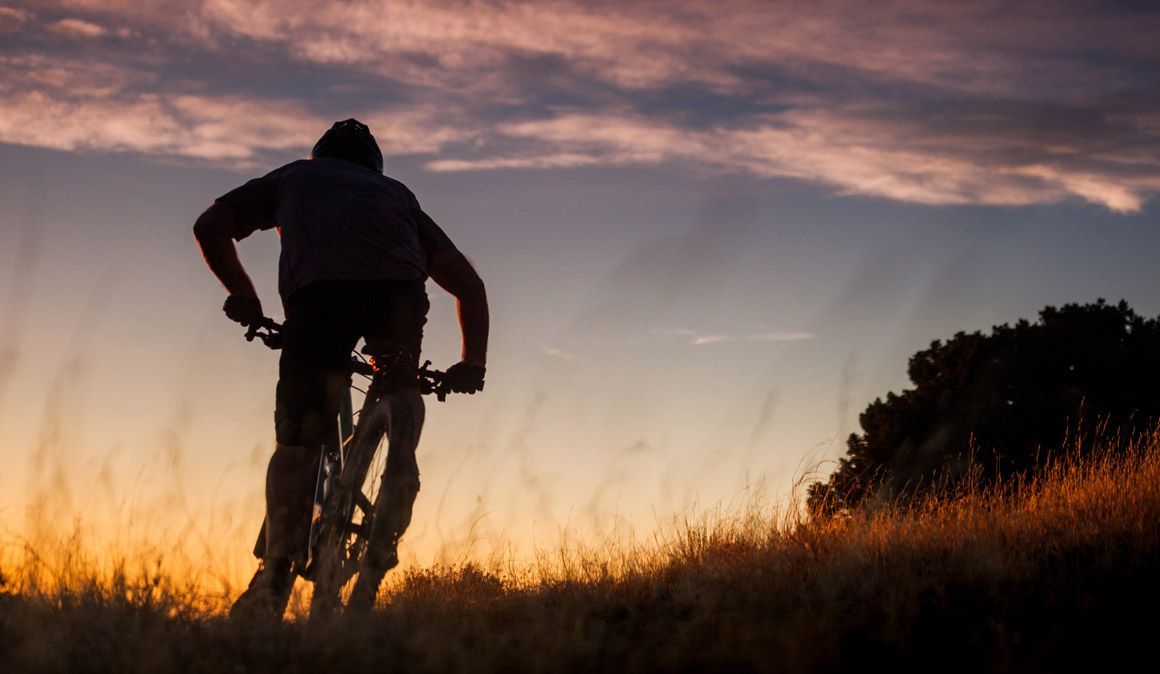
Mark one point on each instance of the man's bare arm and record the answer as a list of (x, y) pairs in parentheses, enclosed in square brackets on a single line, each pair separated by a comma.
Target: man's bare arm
[(214, 233), (451, 270)]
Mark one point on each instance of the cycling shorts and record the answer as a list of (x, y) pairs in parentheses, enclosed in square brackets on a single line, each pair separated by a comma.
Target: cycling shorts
[(324, 322)]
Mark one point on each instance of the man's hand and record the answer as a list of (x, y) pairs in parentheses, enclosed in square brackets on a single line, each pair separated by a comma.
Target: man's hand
[(464, 378), (243, 309)]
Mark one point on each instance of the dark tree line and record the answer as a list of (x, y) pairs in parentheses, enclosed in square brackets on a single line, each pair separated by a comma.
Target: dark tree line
[(990, 405)]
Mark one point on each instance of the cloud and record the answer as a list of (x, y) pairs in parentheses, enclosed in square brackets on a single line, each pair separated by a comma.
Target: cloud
[(968, 47), (781, 337), (559, 353), (882, 151), (932, 103), (187, 126), (1115, 192), (13, 19), (695, 338), (77, 28), (72, 105), (463, 41)]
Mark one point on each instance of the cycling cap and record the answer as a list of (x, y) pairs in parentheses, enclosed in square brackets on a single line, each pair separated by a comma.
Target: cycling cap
[(350, 139)]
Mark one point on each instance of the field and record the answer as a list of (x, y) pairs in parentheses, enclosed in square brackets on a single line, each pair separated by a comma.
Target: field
[(1055, 573)]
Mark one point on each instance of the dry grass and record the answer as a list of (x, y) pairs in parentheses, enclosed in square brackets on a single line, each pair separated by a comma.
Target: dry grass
[(1058, 573)]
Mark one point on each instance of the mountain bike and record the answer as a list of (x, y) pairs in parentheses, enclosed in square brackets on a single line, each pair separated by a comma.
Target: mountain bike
[(345, 491)]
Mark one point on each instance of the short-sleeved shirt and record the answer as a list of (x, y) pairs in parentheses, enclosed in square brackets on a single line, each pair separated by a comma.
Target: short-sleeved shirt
[(339, 221)]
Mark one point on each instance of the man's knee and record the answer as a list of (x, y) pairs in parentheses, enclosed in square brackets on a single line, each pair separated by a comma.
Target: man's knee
[(307, 405), (310, 429), (293, 461), (402, 479)]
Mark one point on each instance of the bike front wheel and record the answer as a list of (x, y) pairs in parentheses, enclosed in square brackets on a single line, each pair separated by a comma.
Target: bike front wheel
[(347, 516)]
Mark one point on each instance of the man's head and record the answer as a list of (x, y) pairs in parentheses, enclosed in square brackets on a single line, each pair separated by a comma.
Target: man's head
[(350, 139)]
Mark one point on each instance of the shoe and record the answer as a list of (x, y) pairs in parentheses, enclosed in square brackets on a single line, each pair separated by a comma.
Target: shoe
[(266, 598)]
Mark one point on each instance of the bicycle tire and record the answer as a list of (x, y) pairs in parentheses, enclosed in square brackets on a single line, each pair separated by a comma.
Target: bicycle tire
[(342, 540)]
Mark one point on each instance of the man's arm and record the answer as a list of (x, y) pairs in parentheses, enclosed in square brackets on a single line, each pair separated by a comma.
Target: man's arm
[(451, 270), (214, 234)]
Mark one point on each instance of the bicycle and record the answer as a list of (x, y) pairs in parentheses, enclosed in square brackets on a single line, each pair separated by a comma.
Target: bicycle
[(344, 506)]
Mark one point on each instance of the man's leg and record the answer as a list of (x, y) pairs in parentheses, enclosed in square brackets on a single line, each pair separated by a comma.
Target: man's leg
[(311, 379), (290, 479), (393, 505)]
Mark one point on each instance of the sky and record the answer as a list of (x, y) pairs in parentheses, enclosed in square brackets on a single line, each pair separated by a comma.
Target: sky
[(711, 233)]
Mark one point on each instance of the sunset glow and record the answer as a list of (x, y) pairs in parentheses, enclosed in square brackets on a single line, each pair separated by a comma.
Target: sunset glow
[(711, 232)]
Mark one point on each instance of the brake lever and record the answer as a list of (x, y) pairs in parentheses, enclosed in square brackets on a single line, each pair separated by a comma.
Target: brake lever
[(432, 382), (272, 337)]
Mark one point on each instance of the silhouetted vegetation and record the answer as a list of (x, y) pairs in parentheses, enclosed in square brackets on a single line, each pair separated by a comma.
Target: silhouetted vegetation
[(988, 407), (1051, 573)]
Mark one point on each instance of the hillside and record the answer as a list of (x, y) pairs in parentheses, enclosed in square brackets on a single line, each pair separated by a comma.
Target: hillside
[(1049, 574)]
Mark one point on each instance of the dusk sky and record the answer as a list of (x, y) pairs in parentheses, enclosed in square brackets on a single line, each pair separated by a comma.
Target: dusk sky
[(711, 232)]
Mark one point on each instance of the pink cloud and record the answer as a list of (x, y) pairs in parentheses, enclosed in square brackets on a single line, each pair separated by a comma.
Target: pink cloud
[(856, 151), (880, 111), (80, 106), (973, 47), (77, 28), (13, 19), (186, 126)]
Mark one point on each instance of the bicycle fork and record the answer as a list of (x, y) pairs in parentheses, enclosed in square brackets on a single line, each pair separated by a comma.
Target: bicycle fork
[(330, 466)]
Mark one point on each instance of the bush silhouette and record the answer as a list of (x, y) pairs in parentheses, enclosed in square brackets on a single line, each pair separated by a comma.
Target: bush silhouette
[(985, 406)]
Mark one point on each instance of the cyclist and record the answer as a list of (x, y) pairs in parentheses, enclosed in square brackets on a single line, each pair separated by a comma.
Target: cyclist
[(356, 250)]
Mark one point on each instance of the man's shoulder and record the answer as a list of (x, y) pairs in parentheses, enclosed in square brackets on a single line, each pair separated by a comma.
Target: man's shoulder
[(342, 167), (397, 185), (296, 165)]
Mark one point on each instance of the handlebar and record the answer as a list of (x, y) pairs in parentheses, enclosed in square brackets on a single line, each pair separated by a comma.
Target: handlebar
[(269, 332)]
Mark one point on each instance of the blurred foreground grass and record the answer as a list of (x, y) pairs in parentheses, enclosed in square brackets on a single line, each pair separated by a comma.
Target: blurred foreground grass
[(1056, 573)]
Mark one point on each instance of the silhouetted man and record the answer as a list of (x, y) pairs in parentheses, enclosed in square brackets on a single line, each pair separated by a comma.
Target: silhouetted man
[(356, 252)]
